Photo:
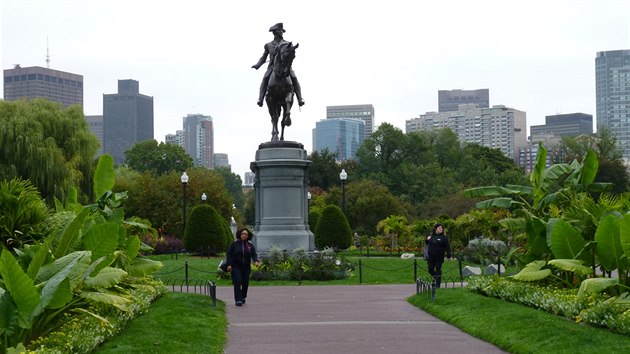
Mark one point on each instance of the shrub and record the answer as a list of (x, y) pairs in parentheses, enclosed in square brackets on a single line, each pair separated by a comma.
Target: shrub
[(299, 265), (164, 245), (23, 212), (205, 233), (313, 218), (333, 229), (485, 251)]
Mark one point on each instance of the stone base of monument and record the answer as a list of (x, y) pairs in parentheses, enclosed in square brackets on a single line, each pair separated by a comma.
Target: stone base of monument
[(281, 209)]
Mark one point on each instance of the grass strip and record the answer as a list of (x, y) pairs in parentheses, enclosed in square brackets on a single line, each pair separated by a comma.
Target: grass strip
[(517, 328), (175, 323)]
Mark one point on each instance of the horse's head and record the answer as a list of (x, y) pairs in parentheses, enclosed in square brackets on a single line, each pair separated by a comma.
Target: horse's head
[(285, 53)]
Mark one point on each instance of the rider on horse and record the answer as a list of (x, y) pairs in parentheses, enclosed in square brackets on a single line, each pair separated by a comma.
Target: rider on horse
[(270, 50)]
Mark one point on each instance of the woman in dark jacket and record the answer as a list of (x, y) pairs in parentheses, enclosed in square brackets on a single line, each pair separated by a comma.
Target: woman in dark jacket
[(438, 246), (239, 258)]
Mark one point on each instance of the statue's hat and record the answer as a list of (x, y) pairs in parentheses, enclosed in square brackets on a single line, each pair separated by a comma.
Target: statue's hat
[(277, 26)]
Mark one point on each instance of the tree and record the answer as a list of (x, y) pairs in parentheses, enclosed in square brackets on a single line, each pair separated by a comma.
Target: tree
[(333, 229), (205, 232), (49, 145), (323, 171), (233, 185), (158, 159)]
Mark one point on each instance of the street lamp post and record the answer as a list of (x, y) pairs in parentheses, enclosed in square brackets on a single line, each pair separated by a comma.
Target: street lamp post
[(184, 180), (204, 197), (308, 203), (343, 176)]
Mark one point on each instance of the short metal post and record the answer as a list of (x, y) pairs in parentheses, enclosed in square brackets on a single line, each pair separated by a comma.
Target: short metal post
[(415, 269), (360, 272), (213, 294), (461, 273), (186, 271), (499, 265)]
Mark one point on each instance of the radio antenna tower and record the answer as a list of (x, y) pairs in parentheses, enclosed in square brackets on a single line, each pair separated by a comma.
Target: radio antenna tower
[(47, 55)]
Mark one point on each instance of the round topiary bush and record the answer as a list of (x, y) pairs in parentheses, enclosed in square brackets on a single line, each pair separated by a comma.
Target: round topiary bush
[(333, 229), (205, 233), (313, 218)]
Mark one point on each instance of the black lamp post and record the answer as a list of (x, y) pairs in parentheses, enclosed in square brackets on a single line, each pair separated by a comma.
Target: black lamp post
[(204, 197), (343, 176), (184, 180)]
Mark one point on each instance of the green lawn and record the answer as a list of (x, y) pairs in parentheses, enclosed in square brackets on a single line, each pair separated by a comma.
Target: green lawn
[(517, 328), (175, 323)]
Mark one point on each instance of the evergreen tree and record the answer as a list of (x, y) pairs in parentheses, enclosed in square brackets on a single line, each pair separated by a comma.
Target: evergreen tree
[(205, 232), (333, 229)]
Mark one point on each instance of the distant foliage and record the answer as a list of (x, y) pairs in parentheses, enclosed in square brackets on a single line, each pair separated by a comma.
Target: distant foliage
[(333, 229), (205, 232), (23, 213)]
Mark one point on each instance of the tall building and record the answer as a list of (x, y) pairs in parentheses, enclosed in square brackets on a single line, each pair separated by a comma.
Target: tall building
[(199, 139), (35, 81), (527, 154), (221, 160), (96, 127), (341, 136), (365, 112), (612, 91), (572, 124), (498, 127), (127, 119), (449, 100), (177, 138), (249, 179)]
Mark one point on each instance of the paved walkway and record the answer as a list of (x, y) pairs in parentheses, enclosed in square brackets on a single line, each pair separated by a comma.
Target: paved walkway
[(339, 319)]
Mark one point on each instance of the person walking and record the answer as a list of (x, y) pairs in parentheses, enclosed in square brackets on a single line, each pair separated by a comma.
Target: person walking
[(438, 246), (239, 258)]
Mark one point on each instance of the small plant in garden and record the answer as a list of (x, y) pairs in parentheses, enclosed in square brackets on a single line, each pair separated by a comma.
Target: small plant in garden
[(485, 251)]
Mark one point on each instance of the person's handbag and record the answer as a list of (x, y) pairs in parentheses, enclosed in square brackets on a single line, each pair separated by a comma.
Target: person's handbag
[(426, 251), (223, 265)]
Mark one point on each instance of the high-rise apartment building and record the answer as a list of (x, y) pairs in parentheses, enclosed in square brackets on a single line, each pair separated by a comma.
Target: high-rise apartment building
[(612, 91), (572, 124), (528, 154), (498, 127), (449, 100), (365, 112), (37, 82), (221, 160), (341, 136), (96, 127), (127, 119), (249, 179), (199, 139)]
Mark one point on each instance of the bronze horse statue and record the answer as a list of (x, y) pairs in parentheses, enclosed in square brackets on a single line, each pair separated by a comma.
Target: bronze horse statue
[(280, 91)]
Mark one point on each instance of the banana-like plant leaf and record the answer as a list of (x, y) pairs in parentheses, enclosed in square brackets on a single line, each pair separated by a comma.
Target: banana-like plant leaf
[(39, 258), (624, 234), (101, 239), (57, 291), (71, 199), (493, 191), (600, 187), (608, 245), (572, 265), (97, 296), (133, 246), (104, 178), (535, 229), (519, 190), (566, 241), (143, 266), (513, 224), (596, 285), (21, 288), (502, 202), (539, 167), (590, 164), (8, 313), (553, 173), (533, 272), (61, 297), (70, 234), (106, 278), (78, 263)]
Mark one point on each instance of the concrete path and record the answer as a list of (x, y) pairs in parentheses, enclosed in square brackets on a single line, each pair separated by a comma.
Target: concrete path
[(339, 319)]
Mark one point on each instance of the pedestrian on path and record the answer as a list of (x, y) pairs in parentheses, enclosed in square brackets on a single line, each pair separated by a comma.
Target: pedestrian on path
[(438, 246), (239, 258)]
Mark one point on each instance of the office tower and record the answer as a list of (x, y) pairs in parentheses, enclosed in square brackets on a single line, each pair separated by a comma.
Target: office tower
[(612, 92), (127, 119), (96, 127), (365, 112), (199, 139), (341, 136), (498, 127), (527, 154), (449, 100), (177, 138), (221, 160), (249, 179), (572, 124), (33, 82)]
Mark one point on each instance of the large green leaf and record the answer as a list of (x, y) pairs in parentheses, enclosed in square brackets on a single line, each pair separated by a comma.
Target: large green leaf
[(143, 266), (70, 234), (590, 164), (39, 258), (71, 199), (8, 313), (533, 272), (513, 224), (537, 246), (572, 265), (101, 239), (566, 241), (539, 167), (57, 291), (97, 296), (21, 287), (104, 178), (502, 202), (493, 191), (76, 262), (596, 285), (106, 278), (624, 234), (608, 245), (133, 246)]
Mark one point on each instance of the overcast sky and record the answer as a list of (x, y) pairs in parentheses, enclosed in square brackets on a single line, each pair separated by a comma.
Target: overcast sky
[(196, 56)]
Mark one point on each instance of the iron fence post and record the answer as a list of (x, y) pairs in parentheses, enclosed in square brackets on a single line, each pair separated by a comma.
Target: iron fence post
[(461, 274), (360, 272), (499, 265), (186, 272), (415, 269)]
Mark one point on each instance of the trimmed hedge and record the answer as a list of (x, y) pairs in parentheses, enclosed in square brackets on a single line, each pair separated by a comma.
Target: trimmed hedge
[(205, 232), (333, 229)]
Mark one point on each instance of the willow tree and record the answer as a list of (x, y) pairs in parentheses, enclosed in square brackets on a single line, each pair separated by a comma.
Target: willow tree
[(47, 144)]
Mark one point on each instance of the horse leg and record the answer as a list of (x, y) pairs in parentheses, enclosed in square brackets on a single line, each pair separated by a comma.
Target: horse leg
[(274, 121)]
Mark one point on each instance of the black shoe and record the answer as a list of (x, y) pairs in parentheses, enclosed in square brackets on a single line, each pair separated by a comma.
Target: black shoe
[(244, 302), (238, 303)]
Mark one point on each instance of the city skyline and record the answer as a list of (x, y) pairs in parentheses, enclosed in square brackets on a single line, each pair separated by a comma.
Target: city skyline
[(535, 56)]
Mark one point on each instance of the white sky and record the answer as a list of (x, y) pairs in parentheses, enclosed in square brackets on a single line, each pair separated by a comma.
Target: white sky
[(195, 56)]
